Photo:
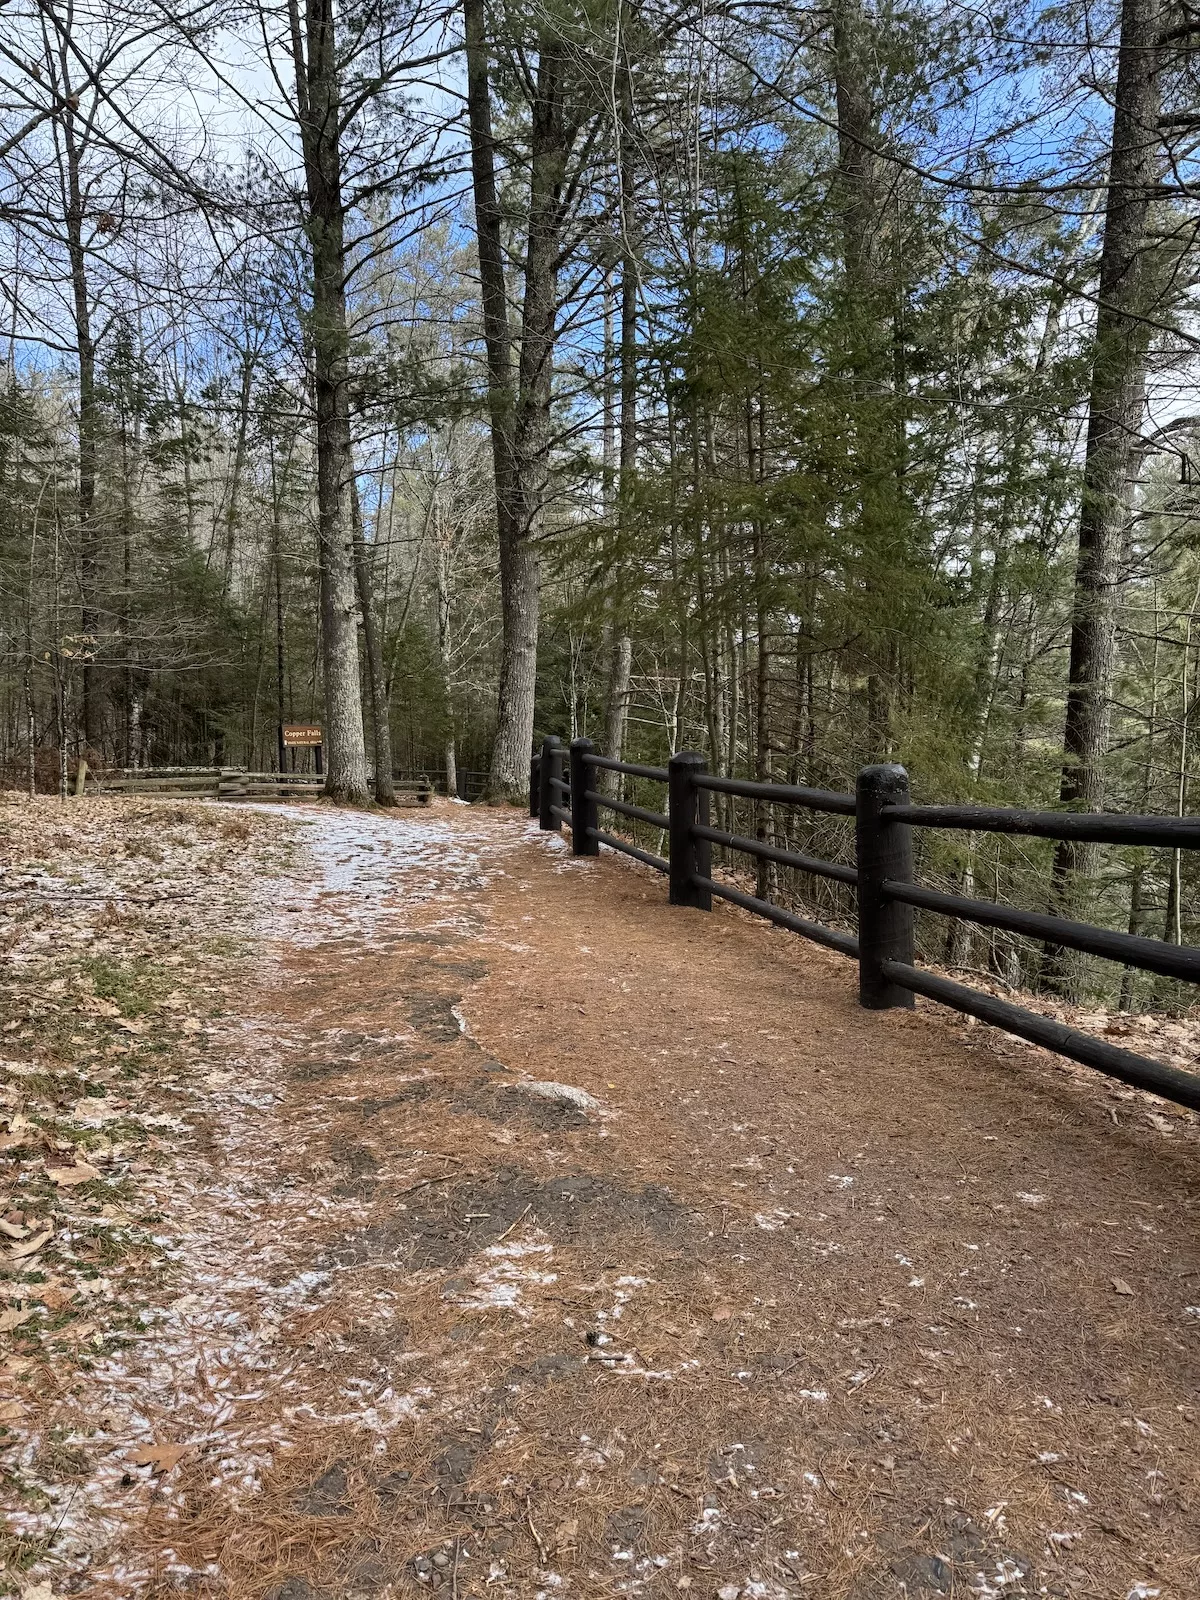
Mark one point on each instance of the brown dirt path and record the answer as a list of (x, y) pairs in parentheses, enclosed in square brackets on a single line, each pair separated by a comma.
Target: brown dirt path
[(549, 1241)]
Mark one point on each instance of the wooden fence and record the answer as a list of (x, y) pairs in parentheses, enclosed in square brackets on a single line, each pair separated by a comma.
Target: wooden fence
[(231, 783), (883, 879)]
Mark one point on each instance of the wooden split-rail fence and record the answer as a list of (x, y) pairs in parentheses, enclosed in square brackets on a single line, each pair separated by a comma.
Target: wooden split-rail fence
[(884, 881), (231, 783)]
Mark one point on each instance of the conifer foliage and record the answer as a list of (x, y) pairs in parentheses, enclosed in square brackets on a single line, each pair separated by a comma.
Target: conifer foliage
[(805, 385)]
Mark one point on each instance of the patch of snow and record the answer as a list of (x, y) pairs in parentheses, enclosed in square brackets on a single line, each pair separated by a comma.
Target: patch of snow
[(771, 1221)]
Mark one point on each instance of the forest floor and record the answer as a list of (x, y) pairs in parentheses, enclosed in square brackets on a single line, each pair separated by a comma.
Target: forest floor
[(397, 1204)]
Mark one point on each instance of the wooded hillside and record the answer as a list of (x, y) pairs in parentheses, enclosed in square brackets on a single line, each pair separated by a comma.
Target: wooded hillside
[(803, 385)]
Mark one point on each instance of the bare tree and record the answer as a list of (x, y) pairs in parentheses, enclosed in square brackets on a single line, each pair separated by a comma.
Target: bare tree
[(1114, 437)]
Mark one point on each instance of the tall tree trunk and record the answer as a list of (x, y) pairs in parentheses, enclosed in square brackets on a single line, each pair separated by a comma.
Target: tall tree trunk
[(277, 575), (621, 661), (513, 746), (1173, 928), (1129, 975), (317, 93), (445, 649), (89, 541), (872, 359), (132, 715), (1113, 448), (520, 413), (520, 572), (381, 731), (233, 509)]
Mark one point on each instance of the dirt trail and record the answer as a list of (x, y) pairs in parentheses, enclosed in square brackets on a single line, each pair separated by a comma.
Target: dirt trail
[(530, 1237)]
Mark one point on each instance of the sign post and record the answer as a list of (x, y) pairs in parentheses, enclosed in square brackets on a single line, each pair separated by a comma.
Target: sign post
[(303, 736)]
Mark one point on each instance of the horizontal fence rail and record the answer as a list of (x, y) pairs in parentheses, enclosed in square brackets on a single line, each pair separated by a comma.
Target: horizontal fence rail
[(884, 881), (1170, 1082), (788, 794), (1092, 827), (783, 858), (230, 783)]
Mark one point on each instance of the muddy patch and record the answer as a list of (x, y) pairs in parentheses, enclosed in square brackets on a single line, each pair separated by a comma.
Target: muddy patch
[(354, 1054), (328, 1495), (446, 1225), (468, 971), (434, 1017), (957, 1556), (359, 1165), (497, 1101)]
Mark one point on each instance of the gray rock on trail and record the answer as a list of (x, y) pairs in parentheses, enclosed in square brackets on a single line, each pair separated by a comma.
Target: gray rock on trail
[(566, 1092)]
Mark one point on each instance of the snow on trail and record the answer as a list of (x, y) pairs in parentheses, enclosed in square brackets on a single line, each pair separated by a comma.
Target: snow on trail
[(206, 1367), (368, 868)]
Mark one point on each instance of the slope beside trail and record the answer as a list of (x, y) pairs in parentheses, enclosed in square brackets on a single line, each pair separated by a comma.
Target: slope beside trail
[(484, 1225)]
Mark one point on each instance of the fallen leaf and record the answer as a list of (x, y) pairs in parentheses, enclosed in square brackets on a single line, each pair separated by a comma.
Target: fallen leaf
[(131, 1025), (31, 1246), (81, 1172), (54, 1296), (100, 1008), (39, 1591), (1121, 1287), (160, 1457), (722, 1313), (13, 1319), (11, 1411), (192, 1025), (13, 1230)]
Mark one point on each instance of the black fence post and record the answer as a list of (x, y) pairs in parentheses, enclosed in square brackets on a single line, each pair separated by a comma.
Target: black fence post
[(585, 814), (883, 850), (549, 796), (535, 785), (691, 858)]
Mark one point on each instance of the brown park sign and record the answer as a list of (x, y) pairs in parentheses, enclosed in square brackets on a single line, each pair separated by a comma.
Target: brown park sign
[(300, 735)]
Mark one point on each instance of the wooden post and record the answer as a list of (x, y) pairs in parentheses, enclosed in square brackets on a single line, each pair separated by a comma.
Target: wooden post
[(81, 778), (691, 858), (549, 796), (585, 813), (535, 785), (883, 850)]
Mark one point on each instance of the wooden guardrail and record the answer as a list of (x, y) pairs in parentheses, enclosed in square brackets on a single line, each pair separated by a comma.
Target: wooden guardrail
[(885, 888), (230, 783)]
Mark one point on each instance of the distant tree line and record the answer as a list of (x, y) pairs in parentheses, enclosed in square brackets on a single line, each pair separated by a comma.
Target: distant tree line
[(805, 385)]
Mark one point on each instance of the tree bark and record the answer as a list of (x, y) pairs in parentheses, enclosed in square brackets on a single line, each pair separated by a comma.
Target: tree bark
[(381, 729), (1116, 403), (621, 665), (514, 582), (871, 360), (233, 509), (520, 407), (317, 93), (89, 541), (445, 649)]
